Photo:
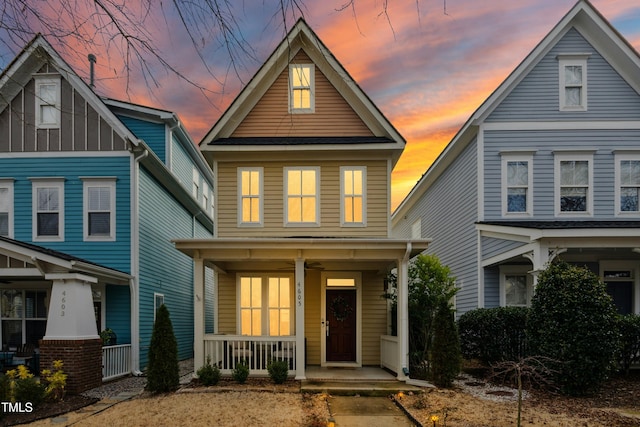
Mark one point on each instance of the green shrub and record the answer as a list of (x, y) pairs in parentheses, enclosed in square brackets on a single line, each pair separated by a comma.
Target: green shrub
[(573, 322), (445, 356), (207, 374), (494, 335), (278, 371), (163, 370), (629, 350), (5, 388), (29, 390), (240, 372)]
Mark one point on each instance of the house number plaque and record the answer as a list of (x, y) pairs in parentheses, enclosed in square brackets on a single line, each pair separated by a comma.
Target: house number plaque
[(63, 303), (299, 294)]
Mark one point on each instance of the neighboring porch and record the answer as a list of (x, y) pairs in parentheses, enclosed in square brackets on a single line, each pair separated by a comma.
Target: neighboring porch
[(327, 309)]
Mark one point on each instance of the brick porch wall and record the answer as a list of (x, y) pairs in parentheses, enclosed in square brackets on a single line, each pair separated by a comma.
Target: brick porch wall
[(82, 361)]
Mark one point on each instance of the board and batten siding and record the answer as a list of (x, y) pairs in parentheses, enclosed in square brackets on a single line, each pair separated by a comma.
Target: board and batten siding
[(448, 213), (536, 97), (163, 269), (113, 254), (603, 144), (333, 116), (81, 127), (377, 201)]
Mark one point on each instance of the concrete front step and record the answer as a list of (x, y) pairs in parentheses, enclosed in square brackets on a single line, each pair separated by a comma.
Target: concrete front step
[(359, 388)]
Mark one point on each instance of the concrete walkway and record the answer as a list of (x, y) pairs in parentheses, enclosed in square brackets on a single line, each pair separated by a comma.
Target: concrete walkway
[(356, 411)]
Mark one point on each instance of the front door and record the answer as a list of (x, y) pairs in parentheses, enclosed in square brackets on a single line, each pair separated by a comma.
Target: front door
[(341, 325)]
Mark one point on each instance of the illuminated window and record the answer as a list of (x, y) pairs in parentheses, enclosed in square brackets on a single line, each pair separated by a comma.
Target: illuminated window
[(250, 197), (341, 281), (302, 190), (272, 293), (47, 102), (301, 82), (353, 184)]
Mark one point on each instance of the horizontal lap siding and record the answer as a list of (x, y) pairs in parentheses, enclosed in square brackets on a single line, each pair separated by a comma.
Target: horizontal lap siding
[(118, 312), (492, 247), (81, 127), (374, 317), (332, 116), (116, 254), (181, 165), (153, 134), (163, 269), (312, 315), (227, 304), (377, 196), (536, 97), (544, 143)]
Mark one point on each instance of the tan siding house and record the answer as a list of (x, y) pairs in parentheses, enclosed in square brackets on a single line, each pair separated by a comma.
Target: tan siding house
[(302, 160)]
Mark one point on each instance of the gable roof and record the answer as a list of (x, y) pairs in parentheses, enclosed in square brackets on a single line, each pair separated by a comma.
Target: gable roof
[(301, 37), (35, 54), (592, 25)]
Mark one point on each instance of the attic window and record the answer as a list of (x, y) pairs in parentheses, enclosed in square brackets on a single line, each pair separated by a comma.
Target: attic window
[(47, 102), (573, 82), (301, 88)]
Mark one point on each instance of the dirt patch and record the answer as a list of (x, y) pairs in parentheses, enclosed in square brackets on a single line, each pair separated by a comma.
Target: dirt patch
[(47, 410)]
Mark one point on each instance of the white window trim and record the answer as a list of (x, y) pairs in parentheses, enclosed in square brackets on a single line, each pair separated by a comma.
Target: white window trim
[(39, 81), (260, 222), (506, 158), (572, 156), (8, 184), (565, 60), (512, 270), (264, 308), (312, 84), (155, 305), (41, 183), (343, 222), (195, 184), (315, 223), (91, 182), (618, 184)]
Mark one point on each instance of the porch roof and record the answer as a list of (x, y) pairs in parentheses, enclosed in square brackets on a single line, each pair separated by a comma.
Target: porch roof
[(334, 253)]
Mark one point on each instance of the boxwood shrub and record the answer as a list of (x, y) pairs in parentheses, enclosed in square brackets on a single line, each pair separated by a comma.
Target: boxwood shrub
[(494, 335), (629, 351)]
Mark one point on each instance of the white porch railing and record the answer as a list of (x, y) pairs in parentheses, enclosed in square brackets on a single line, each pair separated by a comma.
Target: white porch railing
[(226, 351), (116, 361), (389, 352)]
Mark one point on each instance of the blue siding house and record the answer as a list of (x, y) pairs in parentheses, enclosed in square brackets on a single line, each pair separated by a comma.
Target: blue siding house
[(92, 191), (548, 166)]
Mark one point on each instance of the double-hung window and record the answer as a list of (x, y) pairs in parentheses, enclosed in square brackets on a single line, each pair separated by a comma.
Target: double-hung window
[(6, 208), (99, 208), (47, 102), (517, 184), (301, 88), (302, 189), (627, 184), (48, 209), (516, 286), (353, 202), (573, 82), (250, 200), (265, 305), (574, 184)]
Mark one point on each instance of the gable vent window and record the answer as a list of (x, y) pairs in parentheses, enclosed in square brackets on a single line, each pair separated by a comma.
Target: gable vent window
[(573, 82), (47, 103)]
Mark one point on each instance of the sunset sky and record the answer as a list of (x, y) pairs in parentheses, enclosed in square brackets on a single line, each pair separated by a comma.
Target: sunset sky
[(427, 66)]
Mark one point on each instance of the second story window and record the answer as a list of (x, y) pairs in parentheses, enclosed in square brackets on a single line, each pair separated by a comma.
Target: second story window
[(573, 82), (353, 185), (48, 209), (250, 196), (628, 184), (99, 209), (195, 187), (6, 208), (302, 189), (47, 103), (301, 88), (573, 185), (517, 184)]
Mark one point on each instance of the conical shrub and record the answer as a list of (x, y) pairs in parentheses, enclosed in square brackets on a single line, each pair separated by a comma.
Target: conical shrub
[(163, 371)]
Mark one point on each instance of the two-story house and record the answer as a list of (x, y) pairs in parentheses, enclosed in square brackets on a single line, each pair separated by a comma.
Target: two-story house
[(91, 193), (548, 166), (302, 161)]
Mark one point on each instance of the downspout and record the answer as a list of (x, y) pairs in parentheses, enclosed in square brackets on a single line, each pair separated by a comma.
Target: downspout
[(134, 286)]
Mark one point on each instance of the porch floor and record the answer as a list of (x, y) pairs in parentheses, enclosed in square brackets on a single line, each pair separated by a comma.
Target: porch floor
[(365, 381)]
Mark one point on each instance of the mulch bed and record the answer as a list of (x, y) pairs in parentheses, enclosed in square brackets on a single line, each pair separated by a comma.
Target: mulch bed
[(47, 410)]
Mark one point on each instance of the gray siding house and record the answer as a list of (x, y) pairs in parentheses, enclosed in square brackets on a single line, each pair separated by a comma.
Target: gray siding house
[(548, 166)]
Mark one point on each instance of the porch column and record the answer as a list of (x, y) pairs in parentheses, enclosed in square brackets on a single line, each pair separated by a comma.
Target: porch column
[(198, 313), (403, 317), (299, 301), (539, 258), (72, 335)]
